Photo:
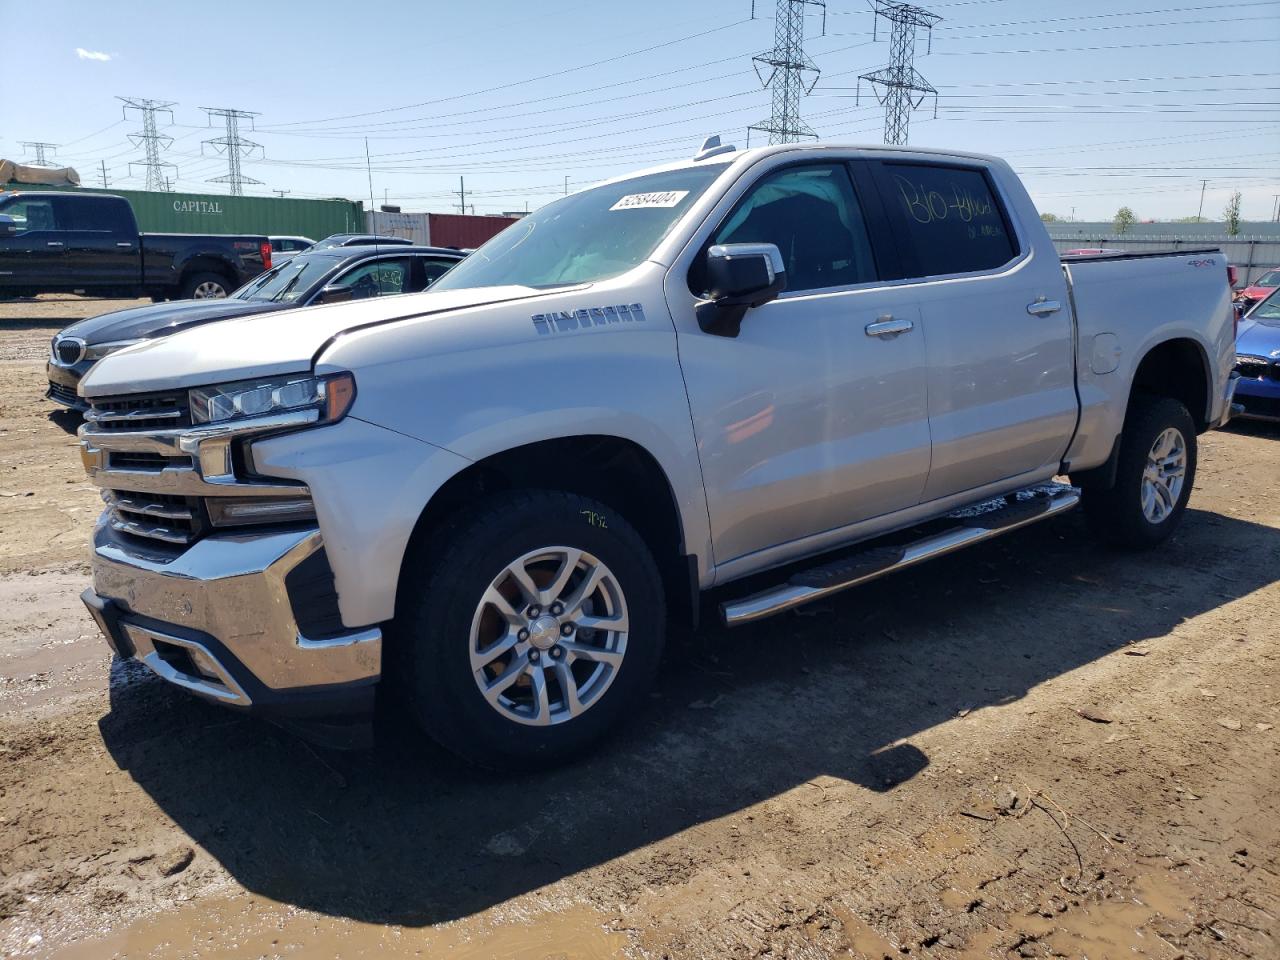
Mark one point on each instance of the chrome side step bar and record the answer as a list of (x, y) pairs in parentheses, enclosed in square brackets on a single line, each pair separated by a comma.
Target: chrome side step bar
[(973, 525)]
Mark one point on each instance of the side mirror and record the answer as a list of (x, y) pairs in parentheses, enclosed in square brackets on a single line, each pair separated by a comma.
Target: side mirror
[(335, 293), (739, 276), (8, 226)]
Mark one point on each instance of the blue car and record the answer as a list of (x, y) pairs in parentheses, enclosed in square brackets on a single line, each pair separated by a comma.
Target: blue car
[(1258, 360)]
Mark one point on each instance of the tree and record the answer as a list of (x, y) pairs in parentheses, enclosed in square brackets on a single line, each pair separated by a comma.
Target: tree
[(1124, 219), (1231, 214), (1050, 217)]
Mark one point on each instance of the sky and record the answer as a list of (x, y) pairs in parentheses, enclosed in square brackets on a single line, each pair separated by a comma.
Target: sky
[(1097, 103)]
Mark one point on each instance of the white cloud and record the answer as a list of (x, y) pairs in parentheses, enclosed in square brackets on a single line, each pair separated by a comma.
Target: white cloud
[(84, 54)]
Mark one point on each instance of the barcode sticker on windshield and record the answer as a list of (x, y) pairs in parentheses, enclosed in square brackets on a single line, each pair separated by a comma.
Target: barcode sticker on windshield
[(637, 201)]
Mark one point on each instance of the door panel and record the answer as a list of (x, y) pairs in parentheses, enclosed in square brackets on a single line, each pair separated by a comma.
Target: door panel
[(805, 422), (33, 255), (1001, 381)]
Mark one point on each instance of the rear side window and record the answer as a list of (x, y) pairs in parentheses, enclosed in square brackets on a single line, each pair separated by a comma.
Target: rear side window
[(101, 214), (949, 217)]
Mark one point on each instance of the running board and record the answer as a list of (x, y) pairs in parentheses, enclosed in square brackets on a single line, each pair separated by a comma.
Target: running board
[(973, 525)]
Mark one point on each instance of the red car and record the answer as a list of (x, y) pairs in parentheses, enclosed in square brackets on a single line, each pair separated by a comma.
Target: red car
[(1259, 289)]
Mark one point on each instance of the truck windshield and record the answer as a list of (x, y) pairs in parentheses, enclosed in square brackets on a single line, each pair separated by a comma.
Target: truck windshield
[(289, 281), (588, 236)]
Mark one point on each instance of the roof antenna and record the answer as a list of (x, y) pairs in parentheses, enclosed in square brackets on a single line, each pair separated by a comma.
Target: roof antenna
[(711, 148)]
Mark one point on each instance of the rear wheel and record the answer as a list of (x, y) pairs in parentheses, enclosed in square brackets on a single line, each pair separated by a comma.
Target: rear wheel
[(205, 286), (529, 629), (1154, 475)]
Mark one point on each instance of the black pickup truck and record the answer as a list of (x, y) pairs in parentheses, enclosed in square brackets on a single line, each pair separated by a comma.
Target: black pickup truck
[(64, 242)]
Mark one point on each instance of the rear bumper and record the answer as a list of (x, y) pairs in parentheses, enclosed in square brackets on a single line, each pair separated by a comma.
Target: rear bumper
[(219, 621)]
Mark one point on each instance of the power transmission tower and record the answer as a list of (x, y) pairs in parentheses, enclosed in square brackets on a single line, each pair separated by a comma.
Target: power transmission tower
[(233, 145), (899, 86), (149, 139), (39, 148), (787, 64)]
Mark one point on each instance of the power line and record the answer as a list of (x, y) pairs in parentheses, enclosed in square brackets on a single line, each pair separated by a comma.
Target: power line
[(904, 88), (233, 146), (152, 141), (787, 64), (39, 147)]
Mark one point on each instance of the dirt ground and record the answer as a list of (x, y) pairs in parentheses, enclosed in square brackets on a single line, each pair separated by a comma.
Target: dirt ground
[(1035, 748)]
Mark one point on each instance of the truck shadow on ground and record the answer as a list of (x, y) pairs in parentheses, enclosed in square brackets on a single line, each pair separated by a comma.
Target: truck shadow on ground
[(403, 835)]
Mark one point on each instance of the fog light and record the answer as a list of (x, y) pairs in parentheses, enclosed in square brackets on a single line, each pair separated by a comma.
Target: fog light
[(241, 511)]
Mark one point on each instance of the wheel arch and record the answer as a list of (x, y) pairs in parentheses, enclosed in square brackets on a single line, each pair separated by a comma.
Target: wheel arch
[(618, 472), (207, 263), (1179, 368)]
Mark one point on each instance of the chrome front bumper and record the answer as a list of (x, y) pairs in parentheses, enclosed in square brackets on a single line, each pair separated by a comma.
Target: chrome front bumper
[(219, 620)]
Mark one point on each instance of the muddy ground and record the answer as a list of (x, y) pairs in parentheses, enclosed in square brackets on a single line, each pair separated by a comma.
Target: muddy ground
[(1035, 748)]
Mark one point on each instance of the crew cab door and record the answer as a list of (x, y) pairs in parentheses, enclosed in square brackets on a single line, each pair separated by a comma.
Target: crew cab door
[(31, 257), (813, 417), (100, 241), (997, 324)]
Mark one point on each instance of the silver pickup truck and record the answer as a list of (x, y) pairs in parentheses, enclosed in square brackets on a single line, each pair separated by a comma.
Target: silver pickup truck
[(814, 365)]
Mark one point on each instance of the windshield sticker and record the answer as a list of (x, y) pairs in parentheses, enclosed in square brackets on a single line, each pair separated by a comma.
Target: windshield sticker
[(639, 201)]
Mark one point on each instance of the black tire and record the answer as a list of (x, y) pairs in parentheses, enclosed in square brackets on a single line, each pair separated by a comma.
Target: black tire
[(196, 281), (1116, 513), (445, 575)]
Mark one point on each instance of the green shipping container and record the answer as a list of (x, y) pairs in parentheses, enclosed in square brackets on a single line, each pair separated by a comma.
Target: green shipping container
[(210, 213)]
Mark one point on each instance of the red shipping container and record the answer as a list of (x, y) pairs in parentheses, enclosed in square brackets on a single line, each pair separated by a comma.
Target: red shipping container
[(457, 230)]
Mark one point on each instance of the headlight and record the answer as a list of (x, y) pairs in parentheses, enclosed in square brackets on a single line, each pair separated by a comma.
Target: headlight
[(330, 396), (96, 351)]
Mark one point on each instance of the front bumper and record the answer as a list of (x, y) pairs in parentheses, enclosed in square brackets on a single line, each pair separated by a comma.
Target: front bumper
[(63, 382), (222, 621), (1258, 399)]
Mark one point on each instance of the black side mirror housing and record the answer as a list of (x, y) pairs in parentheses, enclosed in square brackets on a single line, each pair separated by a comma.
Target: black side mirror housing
[(739, 276), (335, 293), (8, 226)]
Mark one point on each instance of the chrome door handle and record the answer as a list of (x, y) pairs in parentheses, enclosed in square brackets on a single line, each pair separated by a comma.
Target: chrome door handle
[(1043, 307), (53, 243), (886, 326), (124, 244)]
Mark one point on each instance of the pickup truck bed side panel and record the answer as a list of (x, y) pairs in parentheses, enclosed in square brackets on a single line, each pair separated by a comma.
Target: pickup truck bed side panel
[(1124, 308), (499, 383)]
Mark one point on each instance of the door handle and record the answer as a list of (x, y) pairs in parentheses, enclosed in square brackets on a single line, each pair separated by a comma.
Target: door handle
[(1043, 307), (124, 243), (53, 243), (886, 326)]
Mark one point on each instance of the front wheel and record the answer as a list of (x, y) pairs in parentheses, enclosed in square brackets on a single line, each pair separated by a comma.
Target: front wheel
[(1154, 475), (529, 629)]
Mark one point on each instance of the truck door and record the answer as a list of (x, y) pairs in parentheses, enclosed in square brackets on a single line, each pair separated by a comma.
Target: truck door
[(997, 326), (31, 258), (815, 416), (100, 241)]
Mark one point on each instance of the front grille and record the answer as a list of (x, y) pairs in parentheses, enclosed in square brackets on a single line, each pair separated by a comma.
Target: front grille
[(155, 516), (67, 350), (151, 462), (1251, 368), (142, 411)]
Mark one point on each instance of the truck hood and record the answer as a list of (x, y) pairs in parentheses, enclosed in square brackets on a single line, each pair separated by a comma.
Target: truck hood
[(1259, 338), (161, 319), (266, 346)]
